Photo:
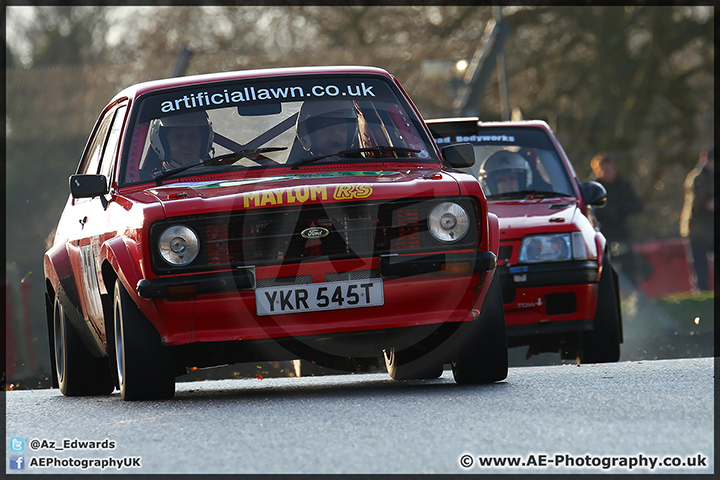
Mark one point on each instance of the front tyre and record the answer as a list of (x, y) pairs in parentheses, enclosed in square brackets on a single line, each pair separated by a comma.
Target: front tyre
[(482, 354), (79, 373), (144, 366), (602, 344)]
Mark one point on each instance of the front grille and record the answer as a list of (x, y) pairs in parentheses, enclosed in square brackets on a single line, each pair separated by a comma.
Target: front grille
[(283, 281), (560, 303), (358, 233), (408, 228), (504, 253), (352, 275), (272, 236), (217, 244)]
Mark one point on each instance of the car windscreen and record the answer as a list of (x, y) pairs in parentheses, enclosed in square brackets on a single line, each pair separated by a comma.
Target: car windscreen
[(266, 123), (515, 160)]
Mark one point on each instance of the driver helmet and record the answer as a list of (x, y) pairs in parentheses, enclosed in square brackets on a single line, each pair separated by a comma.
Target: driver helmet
[(504, 162), (159, 126), (314, 116)]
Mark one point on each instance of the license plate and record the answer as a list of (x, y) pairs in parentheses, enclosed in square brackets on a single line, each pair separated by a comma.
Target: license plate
[(319, 296)]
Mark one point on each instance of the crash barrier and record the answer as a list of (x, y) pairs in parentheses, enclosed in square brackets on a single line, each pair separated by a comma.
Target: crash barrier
[(21, 357), (671, 267)]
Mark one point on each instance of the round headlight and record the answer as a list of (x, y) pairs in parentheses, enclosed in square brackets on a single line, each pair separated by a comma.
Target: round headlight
[(179, 245), (448, 222)]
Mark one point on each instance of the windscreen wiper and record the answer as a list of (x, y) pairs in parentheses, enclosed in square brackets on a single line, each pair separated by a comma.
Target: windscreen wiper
[(353, 152), (525, 193), (232, 156)]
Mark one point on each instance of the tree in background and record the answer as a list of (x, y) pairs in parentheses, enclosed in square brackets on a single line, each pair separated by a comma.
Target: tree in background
[(634, 81), (62, 35), (11, 60), (618, 69)]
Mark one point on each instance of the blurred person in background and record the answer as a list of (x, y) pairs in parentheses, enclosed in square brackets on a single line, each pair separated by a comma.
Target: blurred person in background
[(697, 217), (621, 203)]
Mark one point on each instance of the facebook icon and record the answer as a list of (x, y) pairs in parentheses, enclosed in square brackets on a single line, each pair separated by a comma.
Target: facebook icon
[(17, 462)]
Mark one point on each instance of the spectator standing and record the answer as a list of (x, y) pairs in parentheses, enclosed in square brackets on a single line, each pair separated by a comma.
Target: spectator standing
[(621, 203), (697, 217)]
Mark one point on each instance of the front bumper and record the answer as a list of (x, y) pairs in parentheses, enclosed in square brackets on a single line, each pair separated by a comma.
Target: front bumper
[(549, 328), (176, 288), (221, 306), (549, 298), (243, 278), (517, 277)]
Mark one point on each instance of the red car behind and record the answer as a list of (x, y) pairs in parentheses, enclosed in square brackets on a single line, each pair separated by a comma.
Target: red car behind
[(559, 288)]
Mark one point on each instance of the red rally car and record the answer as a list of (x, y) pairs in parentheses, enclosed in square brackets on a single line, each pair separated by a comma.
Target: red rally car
[(559, 287), (270, 215)]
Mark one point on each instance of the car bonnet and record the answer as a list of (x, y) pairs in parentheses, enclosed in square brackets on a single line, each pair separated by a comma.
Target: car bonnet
[(522, 217), (206, 196)]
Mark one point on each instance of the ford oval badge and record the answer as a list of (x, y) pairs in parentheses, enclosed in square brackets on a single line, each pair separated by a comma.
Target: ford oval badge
[(315, 232)]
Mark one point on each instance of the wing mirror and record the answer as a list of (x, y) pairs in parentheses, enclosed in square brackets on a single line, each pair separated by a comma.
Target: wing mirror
[(88, 186), (460, 155), (593, 193)]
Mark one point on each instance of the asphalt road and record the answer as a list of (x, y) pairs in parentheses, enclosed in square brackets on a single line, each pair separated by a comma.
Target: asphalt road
[(550, 417)]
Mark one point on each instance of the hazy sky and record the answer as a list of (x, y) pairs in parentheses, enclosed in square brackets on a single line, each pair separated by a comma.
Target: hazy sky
[(19, 18)]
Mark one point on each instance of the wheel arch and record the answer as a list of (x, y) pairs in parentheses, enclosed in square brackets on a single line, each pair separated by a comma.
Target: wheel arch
[(602, 250), (494, 233), (120, 263), (61, 285), (49, 318), (616, 281)]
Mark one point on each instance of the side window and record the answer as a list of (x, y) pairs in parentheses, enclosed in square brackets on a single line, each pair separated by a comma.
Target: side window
[(91, 162), (112, 143)]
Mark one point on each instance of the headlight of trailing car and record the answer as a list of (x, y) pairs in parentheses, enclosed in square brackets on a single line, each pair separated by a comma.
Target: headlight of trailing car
[(179, 245), (448, 222), (559, 247)]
